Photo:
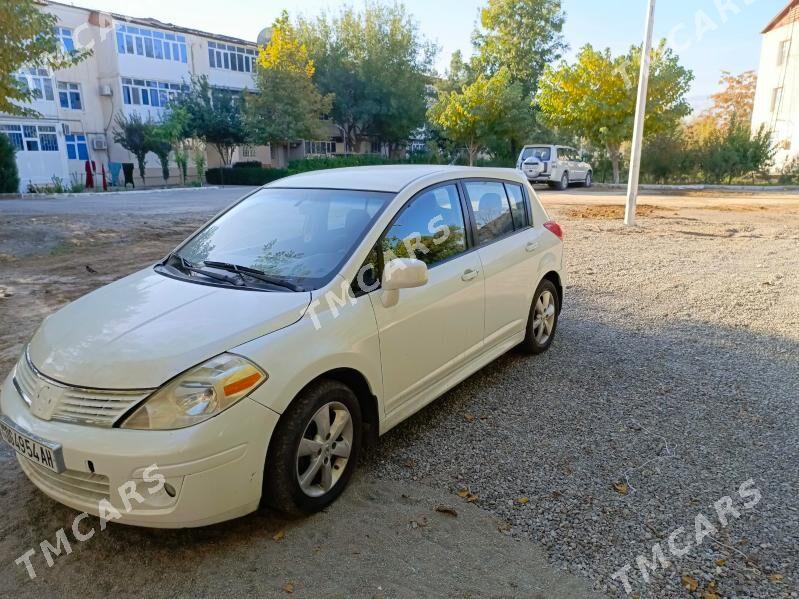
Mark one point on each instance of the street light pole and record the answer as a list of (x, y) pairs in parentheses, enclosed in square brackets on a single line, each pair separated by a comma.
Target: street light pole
[(640, 113)]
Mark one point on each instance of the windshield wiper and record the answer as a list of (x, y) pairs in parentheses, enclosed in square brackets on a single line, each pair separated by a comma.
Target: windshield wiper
[(189, 267), (254, 273)]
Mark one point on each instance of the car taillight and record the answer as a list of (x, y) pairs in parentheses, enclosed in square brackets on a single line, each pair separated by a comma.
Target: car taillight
[(554, 227)]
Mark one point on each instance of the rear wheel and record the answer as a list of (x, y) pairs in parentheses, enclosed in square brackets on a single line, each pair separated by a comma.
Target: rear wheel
[(564, 182), (314, 449), (543, 319)]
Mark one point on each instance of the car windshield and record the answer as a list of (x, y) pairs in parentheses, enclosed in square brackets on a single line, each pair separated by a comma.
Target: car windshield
[(301, 236), (542, 153)]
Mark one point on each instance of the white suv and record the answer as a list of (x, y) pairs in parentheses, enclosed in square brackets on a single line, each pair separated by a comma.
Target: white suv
[(252, 363), (558, 166)]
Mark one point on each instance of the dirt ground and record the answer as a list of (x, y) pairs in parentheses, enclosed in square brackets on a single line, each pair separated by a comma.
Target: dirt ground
[(384, 538)]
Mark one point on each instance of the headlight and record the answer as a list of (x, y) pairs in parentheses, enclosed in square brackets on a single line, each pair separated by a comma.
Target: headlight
[(198, 394)]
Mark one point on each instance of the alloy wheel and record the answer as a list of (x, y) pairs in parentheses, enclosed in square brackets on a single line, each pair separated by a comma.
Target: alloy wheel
[(544, 319), (324, 449)]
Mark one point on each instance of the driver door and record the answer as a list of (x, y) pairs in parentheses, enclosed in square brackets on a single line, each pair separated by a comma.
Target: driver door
[(436, 328)]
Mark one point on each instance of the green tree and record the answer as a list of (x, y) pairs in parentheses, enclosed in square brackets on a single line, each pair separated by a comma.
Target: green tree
[(134, 134), (476, 116), (735, 152), (28, 40), (9, 176), (214, 116), (287, 105), (377, 65), (595, 97), (174, 129), (159, 142)]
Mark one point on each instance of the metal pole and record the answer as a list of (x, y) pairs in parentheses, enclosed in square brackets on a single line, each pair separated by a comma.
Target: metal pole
[(640, 113)]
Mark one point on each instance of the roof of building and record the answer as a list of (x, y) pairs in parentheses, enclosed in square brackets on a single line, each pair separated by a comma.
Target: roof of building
[(150, 22), (390, 178), (787, 16)]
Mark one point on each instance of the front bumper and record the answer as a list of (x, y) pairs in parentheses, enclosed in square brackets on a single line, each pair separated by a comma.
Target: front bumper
[(214, 469)]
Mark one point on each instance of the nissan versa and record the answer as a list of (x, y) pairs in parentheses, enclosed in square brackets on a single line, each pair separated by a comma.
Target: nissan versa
[(253, 362)]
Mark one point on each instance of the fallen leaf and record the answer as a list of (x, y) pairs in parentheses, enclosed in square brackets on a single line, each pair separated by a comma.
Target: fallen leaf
[(721, 562), (279, 536), (410, 464), (690, 583), (621, 488), (288, 588), (710, 591), (445, 509), (504, 527), (463, 493), (467, 495), (776, 577), (469, 417), (523, 500)]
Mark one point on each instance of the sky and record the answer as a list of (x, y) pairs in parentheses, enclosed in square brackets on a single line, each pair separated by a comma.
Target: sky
[(710, 36)]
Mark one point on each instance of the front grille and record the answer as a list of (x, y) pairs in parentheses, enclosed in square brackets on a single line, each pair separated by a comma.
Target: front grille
[(97, 407), (83, 486)]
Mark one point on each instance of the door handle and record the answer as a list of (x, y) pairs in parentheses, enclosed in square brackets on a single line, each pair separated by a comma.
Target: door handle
[(469, 274), (531, 246)]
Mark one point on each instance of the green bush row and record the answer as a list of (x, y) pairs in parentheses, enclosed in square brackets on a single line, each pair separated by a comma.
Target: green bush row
[(244, 175)]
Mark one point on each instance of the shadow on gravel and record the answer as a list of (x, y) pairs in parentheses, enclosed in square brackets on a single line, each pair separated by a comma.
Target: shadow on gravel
[(677, 414)]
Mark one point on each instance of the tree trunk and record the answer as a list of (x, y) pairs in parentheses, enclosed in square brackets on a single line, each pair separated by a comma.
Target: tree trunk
[(615, 160)]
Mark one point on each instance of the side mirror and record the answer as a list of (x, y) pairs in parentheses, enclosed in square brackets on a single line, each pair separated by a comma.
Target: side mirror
[(401, 273)]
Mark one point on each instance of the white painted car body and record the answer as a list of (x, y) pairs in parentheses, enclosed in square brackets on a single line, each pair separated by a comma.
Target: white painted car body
[(145, 329), (543, 163)]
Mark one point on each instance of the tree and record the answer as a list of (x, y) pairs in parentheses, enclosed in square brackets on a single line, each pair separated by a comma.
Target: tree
[(736, 101), (159, 142), (377, 65), (475, 117), (735, 152), (173, 129), (287, 105), (9, 176), (134, 134), (595, 97), (214, 116), (28, 40), (522, 35)]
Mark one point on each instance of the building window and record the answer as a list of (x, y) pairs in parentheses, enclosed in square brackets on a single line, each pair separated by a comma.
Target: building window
[(151, 43), (776, 99), (65, 36), (142, 92), (48, 140), (248, 152), (38, 82), (231, 58), (320, 147), (69, 95), (14, 133), (784, 52), (77, 148)]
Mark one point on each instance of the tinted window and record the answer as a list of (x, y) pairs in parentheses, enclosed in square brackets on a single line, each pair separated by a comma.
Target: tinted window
[(491, 210), (431, 228), (302, 235), (542, 153), (517, 207)]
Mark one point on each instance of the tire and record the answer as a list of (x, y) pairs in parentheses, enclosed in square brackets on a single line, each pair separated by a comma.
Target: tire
[(534, 342), (564, 182), (298, 430), (589, 180)]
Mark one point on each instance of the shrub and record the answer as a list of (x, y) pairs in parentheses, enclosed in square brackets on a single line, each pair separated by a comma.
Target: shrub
[(248, 164), (243, 176), (9, 176), (324, 162)]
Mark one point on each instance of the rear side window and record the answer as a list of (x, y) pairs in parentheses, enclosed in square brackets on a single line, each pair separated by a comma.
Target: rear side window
[(431, 228), (492, 213), (518, 208)]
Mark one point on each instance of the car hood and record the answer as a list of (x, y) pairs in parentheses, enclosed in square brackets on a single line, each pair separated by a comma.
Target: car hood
[(142, 330)]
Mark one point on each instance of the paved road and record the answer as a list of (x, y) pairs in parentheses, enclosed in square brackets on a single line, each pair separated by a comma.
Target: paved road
[(132, 203)]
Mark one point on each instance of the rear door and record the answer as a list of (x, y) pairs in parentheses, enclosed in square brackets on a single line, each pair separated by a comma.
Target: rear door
[(508, 246)]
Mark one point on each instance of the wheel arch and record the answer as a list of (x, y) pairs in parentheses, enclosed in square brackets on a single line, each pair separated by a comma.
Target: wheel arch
[(554, 278)]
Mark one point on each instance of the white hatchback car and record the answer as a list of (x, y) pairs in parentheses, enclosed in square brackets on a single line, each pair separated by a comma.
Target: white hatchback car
[(250, 365)]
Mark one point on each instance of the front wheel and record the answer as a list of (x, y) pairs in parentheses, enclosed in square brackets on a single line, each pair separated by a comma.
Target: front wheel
[(543, 319), (589, 180), (314, 449)]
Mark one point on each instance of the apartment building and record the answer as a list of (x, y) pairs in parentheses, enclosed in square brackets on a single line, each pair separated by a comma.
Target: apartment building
[(777, 97), (137, 65)]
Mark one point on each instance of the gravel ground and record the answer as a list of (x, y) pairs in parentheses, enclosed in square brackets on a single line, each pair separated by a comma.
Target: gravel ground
[(674, 379)]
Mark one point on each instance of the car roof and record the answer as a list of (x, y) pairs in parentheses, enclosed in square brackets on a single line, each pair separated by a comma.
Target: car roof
[(390, 178)]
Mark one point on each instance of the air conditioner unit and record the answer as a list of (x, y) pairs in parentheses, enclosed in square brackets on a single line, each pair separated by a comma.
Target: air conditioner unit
[(99, 143), (106, 90)]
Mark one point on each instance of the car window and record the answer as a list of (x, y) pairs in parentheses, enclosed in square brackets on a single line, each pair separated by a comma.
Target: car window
[(300, 235), (517, 207), (542, 153), (430, 228), (491, 209)]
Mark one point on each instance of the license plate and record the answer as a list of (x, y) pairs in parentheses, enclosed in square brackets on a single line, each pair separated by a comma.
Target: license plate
[(45, 453)]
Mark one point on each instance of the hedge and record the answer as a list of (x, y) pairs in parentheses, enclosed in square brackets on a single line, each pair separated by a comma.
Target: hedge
[(244, 175)]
